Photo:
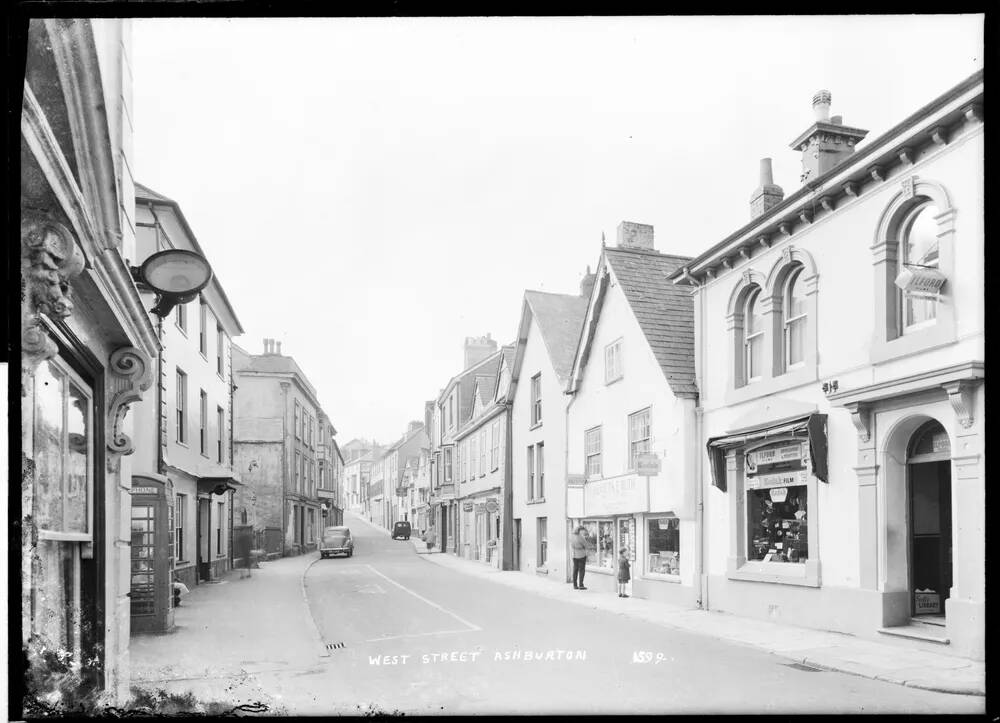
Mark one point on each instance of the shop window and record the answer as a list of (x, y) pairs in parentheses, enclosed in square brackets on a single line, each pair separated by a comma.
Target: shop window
[(638, 436), (613, 361), (794, 320), (777, 524), (753, 337), (663, 546), (600, 535), (592, 451)]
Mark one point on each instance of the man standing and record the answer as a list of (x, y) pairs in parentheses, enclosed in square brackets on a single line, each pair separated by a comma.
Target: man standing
[(578, 544)]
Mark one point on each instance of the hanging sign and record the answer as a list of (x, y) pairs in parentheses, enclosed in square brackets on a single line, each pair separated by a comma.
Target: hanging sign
[(647, 465), (782, 479), (492, 506)]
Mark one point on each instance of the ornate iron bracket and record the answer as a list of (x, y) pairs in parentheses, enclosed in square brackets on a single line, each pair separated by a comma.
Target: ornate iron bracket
[(130, 374)]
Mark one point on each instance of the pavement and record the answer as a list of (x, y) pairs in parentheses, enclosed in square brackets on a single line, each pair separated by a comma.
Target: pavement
[(815, 648)]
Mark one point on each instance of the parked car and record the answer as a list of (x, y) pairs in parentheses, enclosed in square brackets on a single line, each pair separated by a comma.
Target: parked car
[(336, 541), (401, 530)]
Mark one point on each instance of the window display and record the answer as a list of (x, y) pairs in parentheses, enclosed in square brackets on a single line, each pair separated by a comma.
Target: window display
[(663, 544), (600, 544), (777, 524)]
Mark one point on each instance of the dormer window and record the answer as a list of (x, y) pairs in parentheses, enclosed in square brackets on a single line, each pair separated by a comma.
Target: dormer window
[(753, 340)]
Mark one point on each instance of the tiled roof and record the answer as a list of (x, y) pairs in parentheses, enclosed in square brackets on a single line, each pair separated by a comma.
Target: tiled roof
[(665, 311), (467, 383), (560, 318)]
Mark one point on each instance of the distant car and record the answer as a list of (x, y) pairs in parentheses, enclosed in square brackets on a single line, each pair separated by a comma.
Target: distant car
[(401, 530), (336, 541)]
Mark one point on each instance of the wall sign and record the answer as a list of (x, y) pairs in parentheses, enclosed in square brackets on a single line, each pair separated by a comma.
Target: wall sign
[(615, 495), (774, 455), (781, 479), (492, 506)]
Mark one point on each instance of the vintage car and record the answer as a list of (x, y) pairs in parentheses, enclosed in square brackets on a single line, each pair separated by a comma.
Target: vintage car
[(336, 541)]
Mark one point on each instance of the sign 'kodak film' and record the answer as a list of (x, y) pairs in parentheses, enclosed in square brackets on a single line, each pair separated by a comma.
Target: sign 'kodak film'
[(781, 479)]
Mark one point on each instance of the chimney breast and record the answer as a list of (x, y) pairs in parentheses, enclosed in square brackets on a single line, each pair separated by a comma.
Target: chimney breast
[(633, 235), (768, 195)]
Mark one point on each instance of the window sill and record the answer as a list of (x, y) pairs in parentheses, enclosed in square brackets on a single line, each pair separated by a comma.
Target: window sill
[(534, 426), (536, 501), (183, 444), (601, 571), (203, 355), (770, 385), (541, 571), (182, 330), (913, 342), (609, 382), (805, 574), (676, 579)]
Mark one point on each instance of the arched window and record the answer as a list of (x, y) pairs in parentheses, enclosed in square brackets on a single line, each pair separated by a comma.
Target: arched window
[(918, 248), (795, 319), (753, 336)]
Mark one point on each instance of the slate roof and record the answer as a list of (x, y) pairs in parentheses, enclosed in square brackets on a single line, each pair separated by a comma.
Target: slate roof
[(665, 311), (467, 383), (560, 318), (148, 194), (276, 364), (486, 385)]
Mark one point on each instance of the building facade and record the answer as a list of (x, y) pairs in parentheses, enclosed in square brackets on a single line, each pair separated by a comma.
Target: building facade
[(87, 351), (548, 334), (840, 363), (330, 473), (190, 413), (276, 448), (633, 394)]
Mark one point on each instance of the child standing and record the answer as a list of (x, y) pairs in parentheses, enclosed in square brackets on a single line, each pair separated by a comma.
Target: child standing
[(623, 572)]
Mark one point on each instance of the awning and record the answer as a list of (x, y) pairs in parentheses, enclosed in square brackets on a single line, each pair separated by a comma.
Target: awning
[(811, 427), (217, 485)]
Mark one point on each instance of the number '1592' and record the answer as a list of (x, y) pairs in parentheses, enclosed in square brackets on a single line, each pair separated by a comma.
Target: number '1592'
[(646, 656)]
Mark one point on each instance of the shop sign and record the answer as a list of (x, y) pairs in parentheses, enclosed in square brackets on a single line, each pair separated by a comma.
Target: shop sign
[(480, 507), (145, 490), (776, 455), (326, 494), (647, 465), (467, 506), (779, 494), (492, 506), (615, 495), (782, 479)]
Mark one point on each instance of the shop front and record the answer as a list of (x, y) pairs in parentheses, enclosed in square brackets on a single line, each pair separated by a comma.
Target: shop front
[(617, 518), (481, 528)]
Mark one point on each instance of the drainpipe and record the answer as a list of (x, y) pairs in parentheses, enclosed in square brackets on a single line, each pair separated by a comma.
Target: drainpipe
[(507, 561), (284, 465), (568, 563), (160, 465), (699, 412)]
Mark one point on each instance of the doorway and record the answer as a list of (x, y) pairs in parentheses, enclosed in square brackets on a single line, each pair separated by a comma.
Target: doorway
[(930, 529), (204, 540)]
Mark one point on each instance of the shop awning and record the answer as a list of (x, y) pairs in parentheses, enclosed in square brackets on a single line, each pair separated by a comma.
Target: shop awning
[(217, 485), (811, 427)]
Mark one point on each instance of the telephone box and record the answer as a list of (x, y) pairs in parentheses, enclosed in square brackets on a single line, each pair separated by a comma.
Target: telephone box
[(152, 553)]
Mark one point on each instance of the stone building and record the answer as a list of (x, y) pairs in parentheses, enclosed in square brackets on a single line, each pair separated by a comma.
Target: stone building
[(840, 363), (276, 449), (547, 337), (189, 414), (633, 394), (87, 351), (406, 450)]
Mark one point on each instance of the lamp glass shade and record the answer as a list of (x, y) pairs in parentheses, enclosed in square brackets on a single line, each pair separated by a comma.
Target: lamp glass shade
[(176, 272)]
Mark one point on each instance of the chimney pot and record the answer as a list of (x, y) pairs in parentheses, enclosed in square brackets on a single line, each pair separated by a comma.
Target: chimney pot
[(821, 105), (768, 195), (766, 173)]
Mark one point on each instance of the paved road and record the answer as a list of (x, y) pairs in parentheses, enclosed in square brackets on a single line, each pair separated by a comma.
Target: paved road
[(414, 637)]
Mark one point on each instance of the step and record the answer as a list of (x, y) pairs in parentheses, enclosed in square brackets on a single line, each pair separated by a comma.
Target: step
[(924, 633), (937, 621)]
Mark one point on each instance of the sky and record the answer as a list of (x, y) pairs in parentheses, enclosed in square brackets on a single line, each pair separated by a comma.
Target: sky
[(371, 191)]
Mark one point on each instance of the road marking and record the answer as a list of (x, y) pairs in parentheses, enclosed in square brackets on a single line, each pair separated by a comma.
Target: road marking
[(370, 589), (417, 635), (423, 599)]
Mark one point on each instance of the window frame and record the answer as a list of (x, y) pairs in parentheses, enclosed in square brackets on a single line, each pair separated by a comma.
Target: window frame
[(588, 455), (297, 412), (540, 470), (203, 420), (495, 448), (203, 329), (613, 372), (647, 537), (536, 400), (220, 351), (542, 542), (632, 442), (180, 406), (531, 472), (180, 318), (220, 416), (180, 520), (903, 326), (795, 276), (753, 298)]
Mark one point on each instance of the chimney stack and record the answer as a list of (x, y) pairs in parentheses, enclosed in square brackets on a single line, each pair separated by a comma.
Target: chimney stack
[(768, 195), (414, 426), (633, 235), (827, 142), (279, 349), (478, 348), (587, 284), (265, 345)]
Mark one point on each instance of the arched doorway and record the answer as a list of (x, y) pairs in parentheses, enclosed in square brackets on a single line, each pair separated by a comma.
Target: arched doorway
[(928, 466)]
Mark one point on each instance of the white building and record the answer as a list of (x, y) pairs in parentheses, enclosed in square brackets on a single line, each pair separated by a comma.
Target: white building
[(633, 393), (840, 348), (547, 338), (189, 418)]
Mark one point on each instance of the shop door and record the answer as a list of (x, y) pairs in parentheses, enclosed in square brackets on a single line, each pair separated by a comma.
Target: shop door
[(204, 539), (930, 522)]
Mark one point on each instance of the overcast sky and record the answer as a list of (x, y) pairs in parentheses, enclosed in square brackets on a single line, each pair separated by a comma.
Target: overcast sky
[(371, 191)]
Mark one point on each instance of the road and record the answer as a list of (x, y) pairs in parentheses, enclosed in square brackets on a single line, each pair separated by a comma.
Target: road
[(409, 636)]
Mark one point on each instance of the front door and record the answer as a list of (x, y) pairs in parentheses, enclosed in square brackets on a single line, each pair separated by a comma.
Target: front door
[(204, 539), (929, 474)]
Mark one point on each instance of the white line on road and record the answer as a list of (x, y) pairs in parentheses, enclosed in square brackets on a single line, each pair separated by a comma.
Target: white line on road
[(417, 635), (422, 598)]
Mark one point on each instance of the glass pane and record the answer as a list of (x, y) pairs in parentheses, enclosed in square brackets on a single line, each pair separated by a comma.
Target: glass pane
[(777, 524), (48, 446), (755, 356), (606, 545), (77, 460), (921, 242), (664, 546), (591, 527), (754, 317), (796, 340), (796, 302)]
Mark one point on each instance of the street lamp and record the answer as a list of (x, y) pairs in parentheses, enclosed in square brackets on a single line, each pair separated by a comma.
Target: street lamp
[(176, 275)]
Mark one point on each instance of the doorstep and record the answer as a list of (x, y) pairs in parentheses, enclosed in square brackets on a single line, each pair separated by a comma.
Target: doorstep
[(918, 631)]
